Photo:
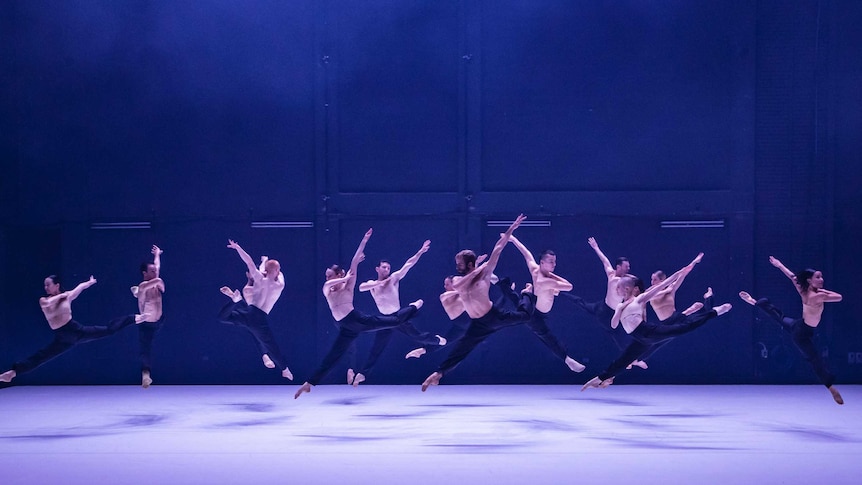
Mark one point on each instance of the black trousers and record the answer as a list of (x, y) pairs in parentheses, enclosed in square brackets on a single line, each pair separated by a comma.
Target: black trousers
[(349, 328), (68, 336), (484, 327), (146, 334), (649, 334), (256, 322), (803, 337)]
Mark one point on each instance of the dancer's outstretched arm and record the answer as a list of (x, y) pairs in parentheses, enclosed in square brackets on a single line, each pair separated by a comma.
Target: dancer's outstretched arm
[(609, 269), (411, 261), (252, 268), (157, 259)]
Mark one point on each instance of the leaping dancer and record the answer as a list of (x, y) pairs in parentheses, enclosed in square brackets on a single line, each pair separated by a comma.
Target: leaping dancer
[(486, 319), (57, 308), (338, 290), (809, 285)]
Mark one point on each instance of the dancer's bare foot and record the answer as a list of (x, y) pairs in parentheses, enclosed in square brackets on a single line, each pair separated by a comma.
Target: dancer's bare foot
[(592, 383), (607, 382), (708, 293), (267, 362), (415, 353), (574, 365), (418, 303), (134, 291), (835, 394), (638, 363), (8, 376), (350, 376), (528, 288), (146, 380), (142, 317), (234, 295), (747, 298), (693, 308), (287, 374), (432, 380), (441, 341), (306, 387), (360, 378), (721, 310)]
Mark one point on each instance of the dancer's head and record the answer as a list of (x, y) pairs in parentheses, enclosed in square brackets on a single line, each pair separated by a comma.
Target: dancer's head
[(272, 268), (657, 277), (809, 278), (622, 266), (148, 271), (626, 286), (334, 271), (465, 261), (547, 262), (384, 269), (52, 285)]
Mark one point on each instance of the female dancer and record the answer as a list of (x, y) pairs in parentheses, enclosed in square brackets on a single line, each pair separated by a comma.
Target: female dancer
[(809, 284)]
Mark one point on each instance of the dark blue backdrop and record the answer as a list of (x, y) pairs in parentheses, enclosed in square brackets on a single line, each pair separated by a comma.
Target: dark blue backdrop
[(426, 120)]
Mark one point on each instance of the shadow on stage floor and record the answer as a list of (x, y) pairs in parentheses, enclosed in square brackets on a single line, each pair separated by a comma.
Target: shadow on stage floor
[(448, 435)]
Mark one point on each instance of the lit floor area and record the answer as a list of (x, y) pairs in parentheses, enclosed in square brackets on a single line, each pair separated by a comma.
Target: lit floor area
[(448, 435)]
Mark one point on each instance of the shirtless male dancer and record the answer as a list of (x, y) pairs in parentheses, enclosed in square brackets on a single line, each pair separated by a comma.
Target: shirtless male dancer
[(338, 290), (604, 310), (631, 313), (664, 306), (254, 316), (57, 308), (546, 286), (455, 311), (385, 291), (809, 285), (149, 295), (472, 289)]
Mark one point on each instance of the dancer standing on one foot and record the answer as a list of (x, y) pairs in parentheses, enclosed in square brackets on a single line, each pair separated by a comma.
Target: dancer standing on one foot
[(486, 319), (385, 291), (603, 310), (546, 286), (149, 295), (631, 313), (57, 308), (809, 285), (254, 316), (338, 290)]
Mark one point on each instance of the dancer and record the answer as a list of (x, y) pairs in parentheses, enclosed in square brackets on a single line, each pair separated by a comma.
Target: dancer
[(604, 310), (546, 286), (809, 285), (631, 314), (57, 308), (338, 290), (385, 291), (149, 295), (454, 308), (664, 307), (486, 319), (254, 316)]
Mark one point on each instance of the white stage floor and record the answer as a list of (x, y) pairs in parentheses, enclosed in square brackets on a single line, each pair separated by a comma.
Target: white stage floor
[(448, 435)]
